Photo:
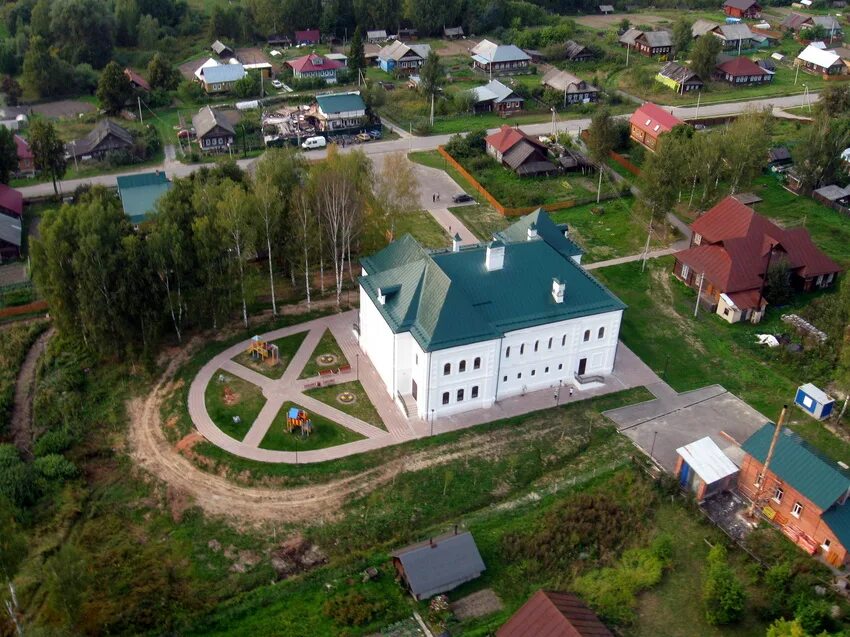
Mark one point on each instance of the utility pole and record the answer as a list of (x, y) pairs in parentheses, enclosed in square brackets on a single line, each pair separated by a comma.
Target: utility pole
[(646, 247), (763, 473), (432, 108), (699, 294), (139, 102), (796, 73), (599, 187), (628, 49), (699, 95)]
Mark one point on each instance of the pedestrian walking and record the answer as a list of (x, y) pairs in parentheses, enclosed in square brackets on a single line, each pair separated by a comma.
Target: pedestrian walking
[(433, 198), (438, 196), (571, 392)]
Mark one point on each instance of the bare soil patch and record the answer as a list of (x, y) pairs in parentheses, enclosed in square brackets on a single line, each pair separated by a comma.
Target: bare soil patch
[(21, 422), (605, 21), (477, 604), (62, 108)]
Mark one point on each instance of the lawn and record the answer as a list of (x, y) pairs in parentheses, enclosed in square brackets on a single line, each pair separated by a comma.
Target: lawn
[(423, 227), (287, 347), (617, 231), (481, 219), (326, 345), (326, 433), (245, 402), (362, 408)]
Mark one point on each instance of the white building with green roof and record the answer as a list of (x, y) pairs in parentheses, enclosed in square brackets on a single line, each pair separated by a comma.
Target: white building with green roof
[(459, 329)]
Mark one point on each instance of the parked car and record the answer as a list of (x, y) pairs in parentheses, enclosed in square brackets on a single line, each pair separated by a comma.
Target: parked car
[(363, 137), (375, 133), (277, 84), (462, 198), (314, 142)]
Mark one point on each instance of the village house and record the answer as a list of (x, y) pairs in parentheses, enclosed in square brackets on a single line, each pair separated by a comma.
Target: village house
[(307, 37), (106, 137), (223, 51), (820, 61), (680, 78), (797, 22), (445, 337), (734, 37), (403, 58), (732, 249), (576, 52), (748, 9), (802, 492), (313, 66), (741, 71), (221, 77), (527, 156), (140, 192), (649, 122), (553, 614), (26, 160), (213, 131), (500, 59), (574, 89), (779, 156), (438, 565), (11, 213), (453, 33), (137, 81), (340, 112), (496, 97), (375, 36), (606, 9), (648, 43), (701, 27), (279, 39)]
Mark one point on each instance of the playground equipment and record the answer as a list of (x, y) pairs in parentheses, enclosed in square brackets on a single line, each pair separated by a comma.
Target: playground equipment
[(263, 351), (297, 418)]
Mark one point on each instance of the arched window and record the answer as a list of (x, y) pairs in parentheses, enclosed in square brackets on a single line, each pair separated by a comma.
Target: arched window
[(563, 340), (476, 364), (536, 345), (460, 395), (447, 368), (445, 398), (601, 333), (522, 349), (508, 351), (550, 342), (462, 366), (586, 335), (474, 393)]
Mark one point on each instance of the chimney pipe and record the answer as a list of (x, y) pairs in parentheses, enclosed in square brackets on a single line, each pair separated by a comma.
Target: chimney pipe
[(456, 243)]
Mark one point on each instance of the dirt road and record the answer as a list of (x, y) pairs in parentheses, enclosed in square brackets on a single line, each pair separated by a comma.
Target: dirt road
[(21, 423)]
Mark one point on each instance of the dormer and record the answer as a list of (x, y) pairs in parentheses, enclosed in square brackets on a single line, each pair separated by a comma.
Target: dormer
[(387, 293)]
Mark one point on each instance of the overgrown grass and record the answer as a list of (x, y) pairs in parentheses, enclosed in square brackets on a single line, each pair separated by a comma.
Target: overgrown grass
[(287, 348), (15, 342), (227, 398), (326, 345), (362, 408), (326, 433)]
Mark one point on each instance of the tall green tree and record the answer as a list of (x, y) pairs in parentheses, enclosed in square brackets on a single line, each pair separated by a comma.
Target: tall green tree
[(40, 19), (83, 30), (8, 155), (10, 87), (356, 52), (48, 151), (817, 159), (161, 75), (126, 22), (834, 100), (234, 217), (682, 37), (168, 248), (113, 89), (39, 74), (663, 173), (149, 33), (601, 138), (704, 56), (723, 595), (432, 76)]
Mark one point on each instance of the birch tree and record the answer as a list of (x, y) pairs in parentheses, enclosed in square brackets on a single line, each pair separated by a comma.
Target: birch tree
[(305, 228), (396, 191), (168, 258), (234, 216)]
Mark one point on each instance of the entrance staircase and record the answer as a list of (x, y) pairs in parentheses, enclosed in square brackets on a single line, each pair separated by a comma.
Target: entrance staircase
[(408, 404)]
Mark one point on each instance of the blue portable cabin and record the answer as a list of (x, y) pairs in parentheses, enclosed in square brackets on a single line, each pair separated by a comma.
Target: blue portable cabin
[(813, 401)]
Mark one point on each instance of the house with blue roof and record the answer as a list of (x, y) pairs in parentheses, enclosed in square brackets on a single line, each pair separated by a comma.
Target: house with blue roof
[(802, 491), (458, 329), (500, 59), (222, 77)]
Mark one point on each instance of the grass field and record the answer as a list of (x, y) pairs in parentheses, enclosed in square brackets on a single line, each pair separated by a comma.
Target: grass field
[(246, 404), (481, 219), (326, 433), (287, 347), (423, 227), (361, 408), (326, 345)]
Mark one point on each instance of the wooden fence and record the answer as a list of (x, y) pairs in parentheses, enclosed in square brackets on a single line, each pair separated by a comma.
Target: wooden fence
[(18, 310), (625, 163)]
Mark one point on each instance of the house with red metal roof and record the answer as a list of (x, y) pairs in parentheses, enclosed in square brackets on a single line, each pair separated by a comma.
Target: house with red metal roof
[(137, 81), (26, 160), (11, 211), (308, 36), (525, 155), (742, 9), (733, 248), (742, 71), (554, 614), (649, 122), (314, 66)]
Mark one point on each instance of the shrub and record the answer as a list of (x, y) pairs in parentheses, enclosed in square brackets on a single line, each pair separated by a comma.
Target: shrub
[(17, 482), (353, 609), (53, 442), (421, 126), (54, 469), (723, 594)]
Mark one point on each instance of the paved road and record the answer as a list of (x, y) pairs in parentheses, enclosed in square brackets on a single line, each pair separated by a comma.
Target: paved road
[(429, 143)]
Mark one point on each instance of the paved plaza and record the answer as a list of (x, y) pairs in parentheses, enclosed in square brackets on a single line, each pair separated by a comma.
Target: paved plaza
[(629, 372)]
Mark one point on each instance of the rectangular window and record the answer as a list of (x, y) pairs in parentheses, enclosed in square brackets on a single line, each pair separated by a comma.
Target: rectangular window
[(826, 544), (685, 271), (460, 395), (777, 494), (519, 375), (474, 393), (797, 510), (546, 371), (533, 372), (445, 398), (560, 366), (504, 379)]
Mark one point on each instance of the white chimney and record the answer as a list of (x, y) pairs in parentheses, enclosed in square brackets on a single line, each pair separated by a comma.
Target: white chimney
[(456, 243), (495, 259), (532, 231), (558, 288)]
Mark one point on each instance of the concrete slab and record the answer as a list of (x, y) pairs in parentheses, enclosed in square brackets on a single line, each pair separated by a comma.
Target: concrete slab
[(660, 426)]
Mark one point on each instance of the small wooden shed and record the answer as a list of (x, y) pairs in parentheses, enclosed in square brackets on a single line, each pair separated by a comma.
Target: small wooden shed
[(814, 401), (703, 468)]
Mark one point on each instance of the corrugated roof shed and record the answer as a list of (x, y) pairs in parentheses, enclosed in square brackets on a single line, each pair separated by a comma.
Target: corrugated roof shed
[(708, 460), (553, 614), (803, 467), (441, 564)]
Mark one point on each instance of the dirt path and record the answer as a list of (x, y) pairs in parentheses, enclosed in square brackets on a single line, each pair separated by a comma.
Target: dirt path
[(21, 423), (254, 506)]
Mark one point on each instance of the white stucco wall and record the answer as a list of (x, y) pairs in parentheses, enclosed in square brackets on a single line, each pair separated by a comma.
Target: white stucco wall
[(377, 340)]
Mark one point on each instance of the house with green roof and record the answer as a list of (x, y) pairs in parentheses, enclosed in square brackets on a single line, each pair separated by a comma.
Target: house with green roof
[(140, 192), (338, 112), (801, 491), (461, 328)]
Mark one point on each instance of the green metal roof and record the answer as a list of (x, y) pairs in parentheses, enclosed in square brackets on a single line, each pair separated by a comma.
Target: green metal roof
[(340, 102), (139, 193), (838, 521), (547, 229), (446, 299), (819, 479)]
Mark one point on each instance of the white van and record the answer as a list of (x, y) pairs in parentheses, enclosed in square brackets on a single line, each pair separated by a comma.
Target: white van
[(314, 142)]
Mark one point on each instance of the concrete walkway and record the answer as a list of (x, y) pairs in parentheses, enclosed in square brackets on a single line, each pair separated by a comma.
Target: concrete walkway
[(452, 225), (630, 371), (652, 254)]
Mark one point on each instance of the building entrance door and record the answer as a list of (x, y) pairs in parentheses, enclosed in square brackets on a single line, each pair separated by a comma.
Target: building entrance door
[(582, 366), (413, 389)]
